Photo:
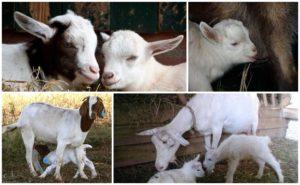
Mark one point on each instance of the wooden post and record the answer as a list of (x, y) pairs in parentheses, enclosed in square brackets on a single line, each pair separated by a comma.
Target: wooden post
[(40, 11), (265, 100)]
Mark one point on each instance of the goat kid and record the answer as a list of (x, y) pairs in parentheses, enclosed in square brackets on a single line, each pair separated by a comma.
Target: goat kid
[(213, 50), (214, 114), (238, 147), (130, 64), (64, 50), (49, 158), (64, 127), (187, 174)]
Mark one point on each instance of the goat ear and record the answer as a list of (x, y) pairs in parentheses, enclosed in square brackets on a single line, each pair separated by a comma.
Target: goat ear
[(162, 46), (104, 36), (83, 110), (208, 32), (34, 27), (197, 158), (149, 132), (181, 140)]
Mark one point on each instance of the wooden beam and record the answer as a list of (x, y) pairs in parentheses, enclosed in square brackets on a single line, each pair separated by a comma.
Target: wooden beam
[(39, 11)]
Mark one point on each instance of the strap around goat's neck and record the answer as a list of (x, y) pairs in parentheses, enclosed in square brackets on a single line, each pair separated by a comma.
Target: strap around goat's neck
[(193, 115)]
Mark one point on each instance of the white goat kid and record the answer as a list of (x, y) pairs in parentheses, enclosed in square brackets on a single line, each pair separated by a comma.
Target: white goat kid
[(64, 127), (212, 51), (130, 64), (238, 147), (187, 174), (214, 113), (69, 156), (64, 50)]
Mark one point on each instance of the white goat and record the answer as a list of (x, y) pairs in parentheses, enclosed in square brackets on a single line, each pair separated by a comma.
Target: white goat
[(213, 114), (64, 50), (68, 156), (238, 147), (212, 51), (130, 64), (187, 174), (64, 127)]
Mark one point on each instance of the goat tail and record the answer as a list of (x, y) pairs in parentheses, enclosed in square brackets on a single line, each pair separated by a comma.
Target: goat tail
[(85, 146), (8, 128)]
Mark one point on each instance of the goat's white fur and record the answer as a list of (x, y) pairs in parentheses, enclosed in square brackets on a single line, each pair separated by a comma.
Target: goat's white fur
[(70, 156), (211, 52), (214, 113), (80, 33), (131, 60), (187, 174), (238, 147), (50, 124)]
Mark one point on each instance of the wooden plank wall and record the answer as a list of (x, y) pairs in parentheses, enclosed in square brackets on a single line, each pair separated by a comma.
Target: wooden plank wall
[(142, 17), (130, 119)]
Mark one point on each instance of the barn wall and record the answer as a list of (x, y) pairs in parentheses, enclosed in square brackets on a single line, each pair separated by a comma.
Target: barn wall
[(128, 144), (142, 17)]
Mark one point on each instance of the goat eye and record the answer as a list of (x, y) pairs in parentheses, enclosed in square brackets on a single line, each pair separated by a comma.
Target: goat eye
[(209, 159), (68, 45), (172, 145), (234, 44), (131, 58), (164, 142)]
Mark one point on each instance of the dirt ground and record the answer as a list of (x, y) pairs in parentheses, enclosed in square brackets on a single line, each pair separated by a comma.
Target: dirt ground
[(15, 169), (286, 152)]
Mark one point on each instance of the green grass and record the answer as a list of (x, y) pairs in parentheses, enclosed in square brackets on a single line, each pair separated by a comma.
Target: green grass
[(286, 151), (15, 169)]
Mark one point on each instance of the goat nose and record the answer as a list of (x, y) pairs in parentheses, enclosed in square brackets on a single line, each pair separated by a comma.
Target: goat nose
[(94, 69), (160, 168), (108, 75)]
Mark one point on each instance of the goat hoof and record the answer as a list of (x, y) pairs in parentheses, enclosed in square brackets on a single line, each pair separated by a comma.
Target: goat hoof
[(34, 174), (42, 176), (84, 177), (258, 176), (94, 176), (59, 178)]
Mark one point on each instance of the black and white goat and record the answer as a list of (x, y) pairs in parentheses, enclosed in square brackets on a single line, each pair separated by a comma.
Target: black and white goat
[(64, 50), (64, 127)]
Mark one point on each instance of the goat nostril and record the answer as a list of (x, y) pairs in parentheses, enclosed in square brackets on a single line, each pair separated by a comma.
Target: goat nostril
[(108, 76), (254, 50), (94, 69)]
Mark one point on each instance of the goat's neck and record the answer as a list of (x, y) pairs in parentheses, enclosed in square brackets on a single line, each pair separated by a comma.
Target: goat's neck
[(182, 122), (220, 154), (151, 76)]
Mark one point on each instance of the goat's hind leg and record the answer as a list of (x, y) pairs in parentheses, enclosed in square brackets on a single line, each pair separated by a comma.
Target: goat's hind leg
[(261, 166), (270, 159), (91, 166), (59, 159), (28, 139), (48, 170)]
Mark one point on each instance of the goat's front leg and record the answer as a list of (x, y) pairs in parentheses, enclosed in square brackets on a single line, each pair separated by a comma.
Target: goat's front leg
[(217, 133), (36, 163), (59, 159), (232, 165), (207, 140), (48, 170), (91, 166), (80, 162)]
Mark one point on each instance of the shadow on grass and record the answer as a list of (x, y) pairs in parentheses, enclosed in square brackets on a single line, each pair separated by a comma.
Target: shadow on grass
[(15, 169)]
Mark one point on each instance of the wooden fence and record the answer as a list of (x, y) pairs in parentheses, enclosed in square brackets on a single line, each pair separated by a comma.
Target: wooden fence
[(142, 17)]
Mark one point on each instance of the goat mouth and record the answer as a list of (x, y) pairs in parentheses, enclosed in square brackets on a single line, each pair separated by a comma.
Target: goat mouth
[(88, 76), (252, 58), (109, 83)]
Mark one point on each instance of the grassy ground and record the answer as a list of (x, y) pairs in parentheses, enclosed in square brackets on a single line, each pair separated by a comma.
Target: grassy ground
[(14, 166), (245, 173)]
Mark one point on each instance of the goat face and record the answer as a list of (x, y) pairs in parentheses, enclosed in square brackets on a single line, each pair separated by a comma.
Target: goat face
[(232, 39), (90, 108), (210, 160), (126, 55), (69, 42), (166, 146)]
